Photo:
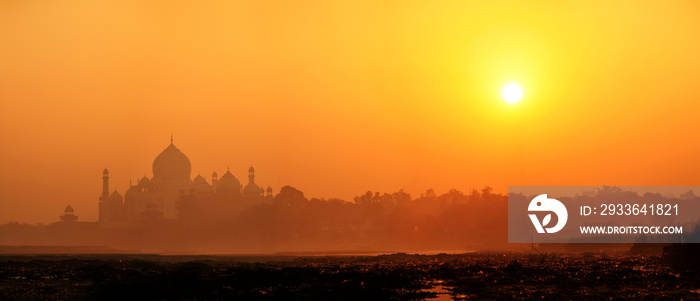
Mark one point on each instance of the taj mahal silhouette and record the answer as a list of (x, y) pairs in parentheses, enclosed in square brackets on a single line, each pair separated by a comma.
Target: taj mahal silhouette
[(162, 196)]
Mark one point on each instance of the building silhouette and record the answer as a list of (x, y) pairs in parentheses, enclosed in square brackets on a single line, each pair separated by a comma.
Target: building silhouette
[(170, 194), (68, 215)]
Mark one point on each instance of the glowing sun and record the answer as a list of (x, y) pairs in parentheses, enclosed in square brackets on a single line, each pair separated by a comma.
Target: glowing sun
[(512, 93)]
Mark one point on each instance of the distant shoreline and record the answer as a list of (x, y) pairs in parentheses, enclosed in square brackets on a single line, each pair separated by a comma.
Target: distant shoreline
[(7, 250)]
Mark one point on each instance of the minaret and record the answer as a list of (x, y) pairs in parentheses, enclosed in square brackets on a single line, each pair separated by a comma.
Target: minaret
[(105, 185), (214, 181), (251, 174), (102, 208)]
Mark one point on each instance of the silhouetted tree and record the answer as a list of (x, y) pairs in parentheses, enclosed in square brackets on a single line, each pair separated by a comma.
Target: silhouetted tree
[(486, 192), (290, 197), (688, 195), (401, 198), (453, 196), (365, 199)]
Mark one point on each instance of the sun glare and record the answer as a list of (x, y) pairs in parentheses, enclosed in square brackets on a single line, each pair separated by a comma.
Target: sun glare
[(512, 93)]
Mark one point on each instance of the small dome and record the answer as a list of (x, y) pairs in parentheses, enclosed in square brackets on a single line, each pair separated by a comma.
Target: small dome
[(251, 169), (144, 181), (105, 171), (115, 197), (172, 163), (131, 192), (251, 189), (69, 209), (229, 181), (199, 180), (269, 189), (214, 175)]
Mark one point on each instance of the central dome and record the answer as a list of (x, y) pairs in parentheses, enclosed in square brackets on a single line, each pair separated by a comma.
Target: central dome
[(172, 163)]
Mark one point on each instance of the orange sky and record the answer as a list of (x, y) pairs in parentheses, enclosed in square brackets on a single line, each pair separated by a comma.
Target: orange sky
[(335, 98)]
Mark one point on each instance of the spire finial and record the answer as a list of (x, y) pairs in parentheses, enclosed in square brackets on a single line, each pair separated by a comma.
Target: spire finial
[(171, 138)]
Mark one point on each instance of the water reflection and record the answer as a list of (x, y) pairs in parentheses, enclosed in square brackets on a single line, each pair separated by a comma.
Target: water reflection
[(442, 292)]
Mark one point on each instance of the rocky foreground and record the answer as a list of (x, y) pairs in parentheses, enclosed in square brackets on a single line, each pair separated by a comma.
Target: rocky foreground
[(473, 276)]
